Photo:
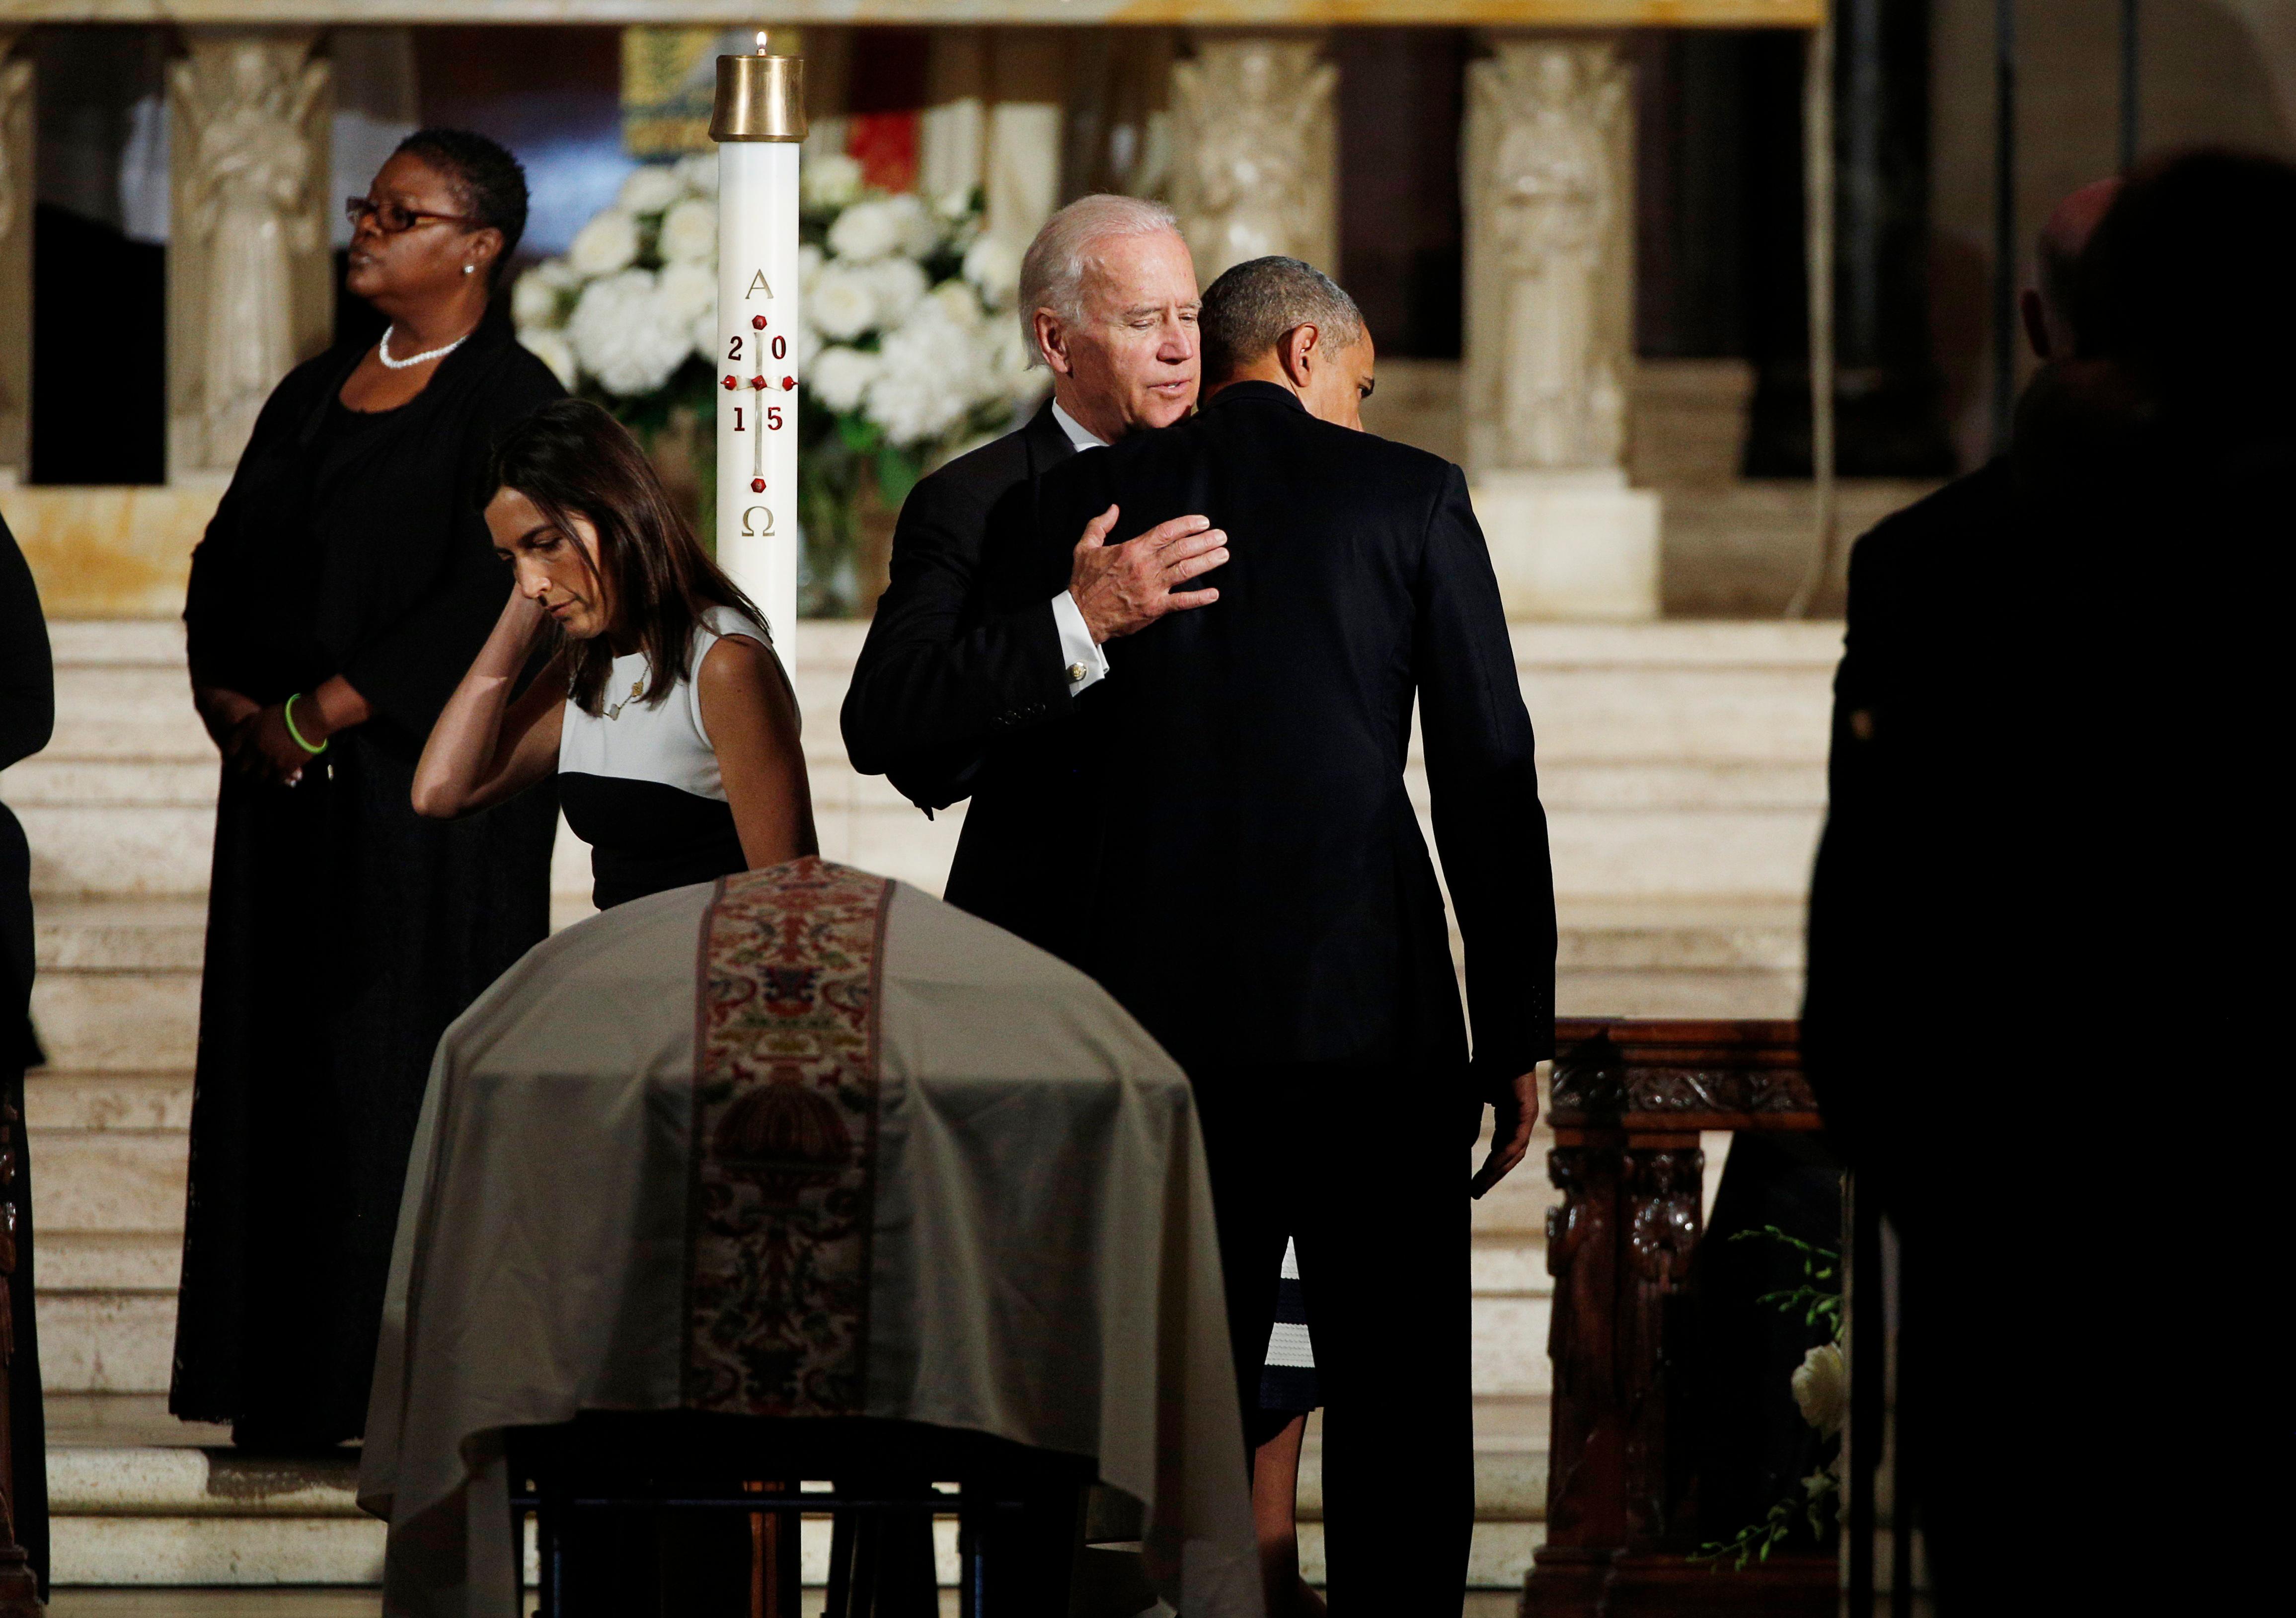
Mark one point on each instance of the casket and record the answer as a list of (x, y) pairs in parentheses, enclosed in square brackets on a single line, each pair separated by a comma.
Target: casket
[(804, 1142)]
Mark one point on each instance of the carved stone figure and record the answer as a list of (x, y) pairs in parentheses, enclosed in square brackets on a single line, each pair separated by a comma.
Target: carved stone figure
[(244, 201), (15, 80), (15, 246), (1548, 213), (1256, 149)]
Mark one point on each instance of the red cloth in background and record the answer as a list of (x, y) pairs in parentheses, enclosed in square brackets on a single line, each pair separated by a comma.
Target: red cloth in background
[(886, 144)]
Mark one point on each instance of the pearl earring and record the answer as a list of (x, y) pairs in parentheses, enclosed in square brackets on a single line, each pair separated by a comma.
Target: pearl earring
[(470, 269)]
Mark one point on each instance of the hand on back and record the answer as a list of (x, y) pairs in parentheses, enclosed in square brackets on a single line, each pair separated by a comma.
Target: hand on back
[(1121, 589)]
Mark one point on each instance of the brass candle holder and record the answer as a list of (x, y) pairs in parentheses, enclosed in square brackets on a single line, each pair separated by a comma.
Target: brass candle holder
[(759, 98)]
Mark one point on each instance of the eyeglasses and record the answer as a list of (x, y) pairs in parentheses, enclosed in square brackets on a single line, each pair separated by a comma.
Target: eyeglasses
[(391, 219)]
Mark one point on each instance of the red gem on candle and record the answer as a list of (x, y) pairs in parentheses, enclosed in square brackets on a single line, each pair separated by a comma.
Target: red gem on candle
[(758, 383), (757, 486), (757, 323), (788, 384), (731, 384)]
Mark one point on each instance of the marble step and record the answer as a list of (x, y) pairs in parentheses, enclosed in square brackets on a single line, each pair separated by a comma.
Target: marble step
[(1645, 956), (1686, 691), (118, 1263), (118, 1022), (132, 851), (111, 1211), (109, 1181), (116, 1000), (1679, 689), (163, 932), (1676, 758), (1679, 956), (129, 1513), (58, 779), (59, 1100), (112, 1339), (1617, 827), (138, 1498), (106, 1341), (140, 711)]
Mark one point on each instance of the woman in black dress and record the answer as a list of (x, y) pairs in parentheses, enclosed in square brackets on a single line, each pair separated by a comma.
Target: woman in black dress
[(345, 584)]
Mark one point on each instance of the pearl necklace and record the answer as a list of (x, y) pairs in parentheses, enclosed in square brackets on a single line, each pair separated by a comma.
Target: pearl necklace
[(382, 351)]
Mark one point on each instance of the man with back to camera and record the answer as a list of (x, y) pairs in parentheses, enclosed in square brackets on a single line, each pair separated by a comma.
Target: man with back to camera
[(1108, 297), (1222, 836)]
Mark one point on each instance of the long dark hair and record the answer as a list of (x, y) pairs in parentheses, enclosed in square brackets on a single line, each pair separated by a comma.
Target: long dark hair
[(573, 459)]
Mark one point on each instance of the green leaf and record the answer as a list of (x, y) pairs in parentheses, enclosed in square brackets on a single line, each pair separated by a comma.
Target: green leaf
[(898, 472)]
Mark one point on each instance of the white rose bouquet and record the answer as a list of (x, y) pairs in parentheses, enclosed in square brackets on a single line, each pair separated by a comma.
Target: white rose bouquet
[(628, 318), (908, 347), (909, 351), (633, 303)]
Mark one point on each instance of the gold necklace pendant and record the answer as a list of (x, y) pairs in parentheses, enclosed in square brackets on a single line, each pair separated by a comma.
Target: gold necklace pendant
[(637, 689)]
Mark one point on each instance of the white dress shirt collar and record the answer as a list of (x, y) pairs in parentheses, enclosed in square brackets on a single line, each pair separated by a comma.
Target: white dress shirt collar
[(1080, 436)]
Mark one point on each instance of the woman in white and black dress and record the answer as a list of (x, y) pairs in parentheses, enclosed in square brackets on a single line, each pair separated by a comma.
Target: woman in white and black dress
[(664, 713), (1289, 1393)]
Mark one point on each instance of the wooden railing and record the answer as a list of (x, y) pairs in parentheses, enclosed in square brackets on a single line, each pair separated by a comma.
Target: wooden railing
[(1630, 1100)]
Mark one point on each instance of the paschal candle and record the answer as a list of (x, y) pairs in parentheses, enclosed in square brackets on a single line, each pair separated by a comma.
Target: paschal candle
[(758, 121)]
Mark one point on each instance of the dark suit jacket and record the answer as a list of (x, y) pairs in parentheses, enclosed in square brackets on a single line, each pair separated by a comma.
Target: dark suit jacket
[(940, 674), (1927, 819), (1221, 835)]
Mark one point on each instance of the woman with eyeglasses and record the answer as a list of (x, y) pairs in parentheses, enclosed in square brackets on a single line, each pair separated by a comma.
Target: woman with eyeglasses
[(346, 582)]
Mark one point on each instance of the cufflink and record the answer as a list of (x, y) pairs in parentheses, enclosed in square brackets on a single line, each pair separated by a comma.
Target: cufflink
[(1077, 671)]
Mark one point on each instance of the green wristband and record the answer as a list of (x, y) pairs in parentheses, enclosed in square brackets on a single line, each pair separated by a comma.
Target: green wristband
[(288, 714)]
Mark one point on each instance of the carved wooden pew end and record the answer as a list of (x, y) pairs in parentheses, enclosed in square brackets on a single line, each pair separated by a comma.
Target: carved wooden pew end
[(1629, 1099)]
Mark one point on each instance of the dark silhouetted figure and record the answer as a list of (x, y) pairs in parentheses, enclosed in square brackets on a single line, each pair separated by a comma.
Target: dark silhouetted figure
[(28, 713), (2033, 1033)]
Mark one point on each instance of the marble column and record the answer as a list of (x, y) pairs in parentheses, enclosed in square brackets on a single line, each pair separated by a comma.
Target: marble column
[(1547, 170), (1255, 150), (16, 201), (250, 290)]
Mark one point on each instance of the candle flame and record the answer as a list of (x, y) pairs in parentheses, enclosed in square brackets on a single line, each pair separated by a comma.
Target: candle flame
[(762, 42)]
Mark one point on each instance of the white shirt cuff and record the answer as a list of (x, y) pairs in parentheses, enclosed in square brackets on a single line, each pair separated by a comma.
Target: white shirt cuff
[(1087, 664)]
